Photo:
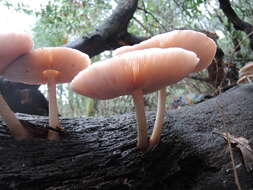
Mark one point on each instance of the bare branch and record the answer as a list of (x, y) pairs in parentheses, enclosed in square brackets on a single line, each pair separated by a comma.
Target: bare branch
[(194, 77), (153, 16), (239, 24), (143, 26), (112, 33)]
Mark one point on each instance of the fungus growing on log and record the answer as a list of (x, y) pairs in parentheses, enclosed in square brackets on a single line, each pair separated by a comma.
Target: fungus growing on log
[(190, 40), (246, 73), (199, 43), (48, 66), (13, 45), (135, 73)]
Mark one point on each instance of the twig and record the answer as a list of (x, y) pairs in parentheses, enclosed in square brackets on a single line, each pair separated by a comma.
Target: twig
[(240, 43), (153, 16), (143, 26), (194, 77)]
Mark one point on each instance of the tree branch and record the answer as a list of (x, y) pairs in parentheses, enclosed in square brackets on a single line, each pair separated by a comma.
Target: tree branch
[(153, 16), (112, 33), (239, 24), (195, 77)]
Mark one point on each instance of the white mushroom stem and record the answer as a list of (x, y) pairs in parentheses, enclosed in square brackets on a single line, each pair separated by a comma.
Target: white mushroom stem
[(142, 137), (15, 126), (53, 108), (156, 134)]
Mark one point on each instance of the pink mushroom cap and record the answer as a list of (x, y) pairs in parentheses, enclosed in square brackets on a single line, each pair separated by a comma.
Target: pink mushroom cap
[(148, 70), (198, 42), (31, 67), (13, 45)]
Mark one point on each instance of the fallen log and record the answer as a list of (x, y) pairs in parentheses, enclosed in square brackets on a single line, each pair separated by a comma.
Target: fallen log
[(100, 153)]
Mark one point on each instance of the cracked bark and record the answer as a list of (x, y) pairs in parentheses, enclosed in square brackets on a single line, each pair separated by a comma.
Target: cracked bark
[(100, 153)]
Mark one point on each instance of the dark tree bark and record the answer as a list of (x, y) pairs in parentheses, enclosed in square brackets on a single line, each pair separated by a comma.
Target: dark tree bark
[(238, 23), (100, 153), (112, 33)]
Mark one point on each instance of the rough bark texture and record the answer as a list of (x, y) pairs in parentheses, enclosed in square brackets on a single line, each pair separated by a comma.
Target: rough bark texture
[(112, 33), (100, 153)]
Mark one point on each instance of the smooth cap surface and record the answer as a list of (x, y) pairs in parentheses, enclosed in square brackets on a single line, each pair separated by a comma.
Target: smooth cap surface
[(198, 42), (148, 70), (31, 68), (13, 45)]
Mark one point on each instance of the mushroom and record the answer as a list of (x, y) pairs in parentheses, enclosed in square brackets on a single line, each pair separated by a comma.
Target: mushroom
[(136, 73), (246, 73), (190, 40), (199, 43), (13, 45), (49, 66)]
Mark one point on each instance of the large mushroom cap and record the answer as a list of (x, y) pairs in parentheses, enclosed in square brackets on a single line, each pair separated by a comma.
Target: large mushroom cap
[(148, 70), (201, 44), (31, 68), (12, 45)]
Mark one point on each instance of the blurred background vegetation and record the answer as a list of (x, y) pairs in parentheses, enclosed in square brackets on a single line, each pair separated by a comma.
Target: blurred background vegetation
[(61, 21)]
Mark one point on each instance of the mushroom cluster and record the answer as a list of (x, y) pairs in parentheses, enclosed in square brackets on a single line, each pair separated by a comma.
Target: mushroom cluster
[(147, 67), (136, 73), (197, 42), (134, 70), (20, 63)]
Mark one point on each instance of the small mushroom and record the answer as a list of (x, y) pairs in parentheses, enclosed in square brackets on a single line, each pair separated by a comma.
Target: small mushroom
[(246, 73), (13, 45), (49, 66), (136, 73), (199, 43)]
